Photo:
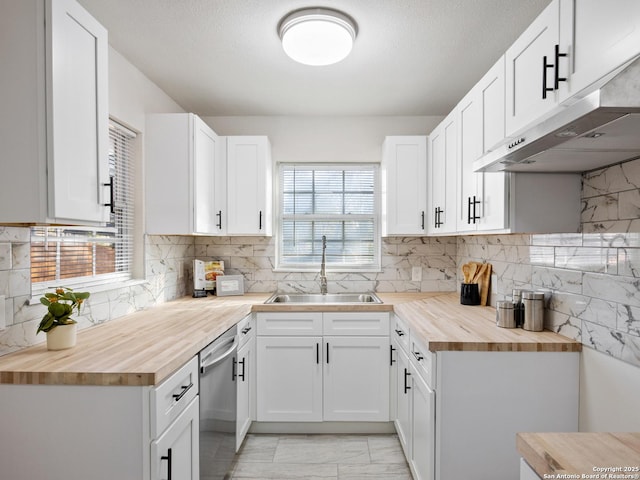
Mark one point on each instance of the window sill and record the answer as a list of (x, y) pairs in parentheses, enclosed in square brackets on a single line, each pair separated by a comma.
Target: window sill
[(329, 271), (92, 289)]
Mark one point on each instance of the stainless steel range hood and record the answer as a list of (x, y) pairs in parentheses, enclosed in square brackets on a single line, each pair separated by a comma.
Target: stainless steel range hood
[(600, 129)]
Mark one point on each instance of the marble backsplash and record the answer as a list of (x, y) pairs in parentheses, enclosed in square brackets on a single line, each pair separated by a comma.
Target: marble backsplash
[(166, 258), (254, 258)]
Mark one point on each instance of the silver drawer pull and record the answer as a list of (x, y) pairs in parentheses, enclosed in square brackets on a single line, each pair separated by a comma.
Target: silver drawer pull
[(185, 389)]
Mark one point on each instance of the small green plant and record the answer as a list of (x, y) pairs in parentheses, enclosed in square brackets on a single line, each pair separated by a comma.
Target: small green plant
[(60, 306)]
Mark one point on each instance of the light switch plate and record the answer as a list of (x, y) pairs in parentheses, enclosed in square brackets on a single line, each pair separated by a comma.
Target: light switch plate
[(3, 322), (416, 274)]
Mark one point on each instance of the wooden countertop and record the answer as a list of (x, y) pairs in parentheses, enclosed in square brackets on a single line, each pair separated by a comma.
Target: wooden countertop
[(443, 324), (557, 454), (145, 347), (142, 348)]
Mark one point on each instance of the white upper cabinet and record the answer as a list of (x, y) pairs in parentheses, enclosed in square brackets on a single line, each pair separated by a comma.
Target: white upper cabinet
[(605, 35), (54, 123), (442, 159), (249, 186), (182, 166), (404, 185), (531, 68), (482, 198)]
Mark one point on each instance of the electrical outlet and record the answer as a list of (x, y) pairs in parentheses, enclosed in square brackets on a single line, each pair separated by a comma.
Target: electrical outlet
[(3, 322), (180, 270), (416, 274)]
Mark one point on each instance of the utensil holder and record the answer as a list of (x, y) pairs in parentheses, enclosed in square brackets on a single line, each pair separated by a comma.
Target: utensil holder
[(469, 294)]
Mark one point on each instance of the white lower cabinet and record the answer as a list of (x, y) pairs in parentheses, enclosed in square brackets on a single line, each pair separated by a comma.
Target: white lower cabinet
[(458, 412), (526, 472), (403, 414), (314, 378), (114, 432), (175, 453), (246, 378), (289, 379), (356, 379)]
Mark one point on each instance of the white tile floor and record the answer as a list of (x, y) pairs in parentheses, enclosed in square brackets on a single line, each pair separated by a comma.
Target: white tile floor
[(315, 457)]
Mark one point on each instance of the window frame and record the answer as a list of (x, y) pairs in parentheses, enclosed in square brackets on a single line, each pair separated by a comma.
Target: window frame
[(375, 266)]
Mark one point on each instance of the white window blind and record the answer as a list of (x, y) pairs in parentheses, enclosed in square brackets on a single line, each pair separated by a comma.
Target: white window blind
[(338, 201), (92, 255)]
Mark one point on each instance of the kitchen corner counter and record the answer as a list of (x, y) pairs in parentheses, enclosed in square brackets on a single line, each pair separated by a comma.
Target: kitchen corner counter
[(585, 455), (444, 324), (143, 348)]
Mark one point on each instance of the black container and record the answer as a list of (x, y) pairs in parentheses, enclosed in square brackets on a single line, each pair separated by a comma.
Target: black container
[(469, 294)]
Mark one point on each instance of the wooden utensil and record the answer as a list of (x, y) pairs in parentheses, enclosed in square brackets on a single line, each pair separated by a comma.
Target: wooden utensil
[(473, 268), (466, 269)]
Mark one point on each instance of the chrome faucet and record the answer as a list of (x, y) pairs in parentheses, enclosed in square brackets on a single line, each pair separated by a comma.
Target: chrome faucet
[(323, 268)]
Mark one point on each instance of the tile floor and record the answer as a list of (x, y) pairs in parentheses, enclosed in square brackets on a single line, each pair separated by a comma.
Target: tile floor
[(316, 457)]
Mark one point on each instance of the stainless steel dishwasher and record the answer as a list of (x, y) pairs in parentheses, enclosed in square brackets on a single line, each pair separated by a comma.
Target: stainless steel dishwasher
[(218, 405)]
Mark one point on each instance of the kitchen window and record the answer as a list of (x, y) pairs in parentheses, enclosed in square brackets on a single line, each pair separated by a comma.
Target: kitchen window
[(74, 256), (335, 200)]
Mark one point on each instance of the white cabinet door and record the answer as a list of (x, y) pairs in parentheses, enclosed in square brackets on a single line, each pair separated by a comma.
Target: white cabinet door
[(483, 197), (176, 453), (289, 379), (470, 149), (404, 185), (526, 472), (442, 166), (529, 78), (78, 101), (205, 148), (182, 166), (54, 123), (356, 378), (246, 384), (249, 186), (604, 36), (423, 429), (403, 389)]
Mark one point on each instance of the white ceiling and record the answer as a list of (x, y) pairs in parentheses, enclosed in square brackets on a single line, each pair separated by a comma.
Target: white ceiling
[(223, 57)]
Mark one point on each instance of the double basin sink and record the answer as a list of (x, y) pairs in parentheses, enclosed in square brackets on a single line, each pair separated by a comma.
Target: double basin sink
[(328, 298)]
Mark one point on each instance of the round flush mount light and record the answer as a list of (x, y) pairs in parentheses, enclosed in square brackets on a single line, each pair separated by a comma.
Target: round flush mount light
[(317, 36)]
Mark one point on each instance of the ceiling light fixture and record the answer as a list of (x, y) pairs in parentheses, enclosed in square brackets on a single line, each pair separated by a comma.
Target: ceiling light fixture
[(317, 36)]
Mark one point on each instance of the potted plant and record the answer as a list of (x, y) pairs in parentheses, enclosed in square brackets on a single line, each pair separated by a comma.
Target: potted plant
[(57, 322)]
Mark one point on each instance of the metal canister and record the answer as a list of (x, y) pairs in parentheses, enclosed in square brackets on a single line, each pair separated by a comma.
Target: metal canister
[(533, 311), (505, 314)]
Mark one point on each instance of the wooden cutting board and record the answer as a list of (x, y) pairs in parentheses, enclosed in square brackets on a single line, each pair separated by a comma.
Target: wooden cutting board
[(483, 279)]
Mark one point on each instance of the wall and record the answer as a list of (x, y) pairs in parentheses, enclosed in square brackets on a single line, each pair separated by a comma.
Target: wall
[(324, 139), (592, 279)]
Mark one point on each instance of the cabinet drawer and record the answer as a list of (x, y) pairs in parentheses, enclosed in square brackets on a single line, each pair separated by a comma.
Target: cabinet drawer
[(356, 323), (172, 396), (289, 323), (424, 361), (401, 333), (246, 329)]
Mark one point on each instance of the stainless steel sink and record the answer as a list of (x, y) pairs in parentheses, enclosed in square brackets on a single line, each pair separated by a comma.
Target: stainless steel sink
[(329, 298)]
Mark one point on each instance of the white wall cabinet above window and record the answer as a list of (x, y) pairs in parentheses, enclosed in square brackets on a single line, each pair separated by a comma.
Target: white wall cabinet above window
[(249, 186), (54, 123), (183, 162), (404, 185)]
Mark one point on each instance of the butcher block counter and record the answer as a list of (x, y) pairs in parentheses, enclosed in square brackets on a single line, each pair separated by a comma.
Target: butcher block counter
[(444, 324), (145, 347), (587, 455)]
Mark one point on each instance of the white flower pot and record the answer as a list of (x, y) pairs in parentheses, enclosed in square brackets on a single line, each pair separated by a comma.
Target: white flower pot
[(62, 337)]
